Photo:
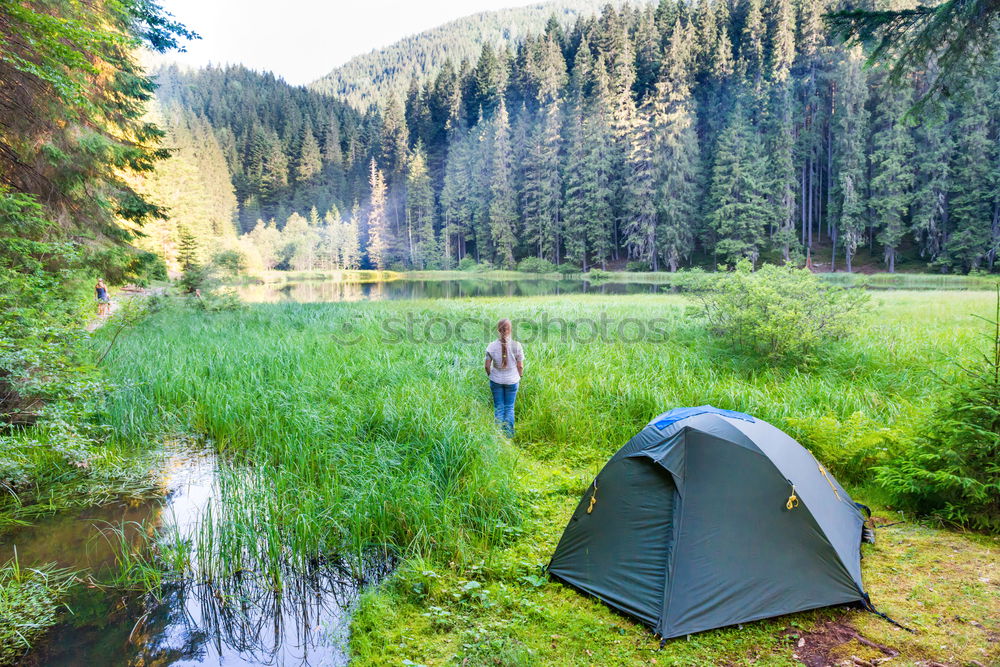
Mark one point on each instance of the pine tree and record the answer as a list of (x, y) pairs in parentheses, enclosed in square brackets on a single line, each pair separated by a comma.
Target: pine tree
[(781, 171), (189, 252), (310, 160), (503, 202), (350, 252), (395, 138), (930, 210), (602, 158), (454, 200), (574, 177), (378, 223), (676, 155), (739, 214), (782, 40), (332, 152), (751, 60), (420, 210), (852, 174), (892, 173), (543, 190), (974, 168), (640, 221)]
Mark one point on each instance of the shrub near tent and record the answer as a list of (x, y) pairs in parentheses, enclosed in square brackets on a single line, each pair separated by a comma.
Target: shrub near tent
[(708, 518)]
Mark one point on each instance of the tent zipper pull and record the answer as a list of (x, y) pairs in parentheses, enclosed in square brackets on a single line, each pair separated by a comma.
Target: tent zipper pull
[(793, 500), (593, 499)]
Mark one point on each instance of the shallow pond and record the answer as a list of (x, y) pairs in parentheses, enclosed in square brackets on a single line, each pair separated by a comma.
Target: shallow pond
[(311, 291), (242, 621)]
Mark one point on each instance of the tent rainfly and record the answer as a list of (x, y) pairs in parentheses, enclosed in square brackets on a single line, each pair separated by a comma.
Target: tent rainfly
[(708, 518)]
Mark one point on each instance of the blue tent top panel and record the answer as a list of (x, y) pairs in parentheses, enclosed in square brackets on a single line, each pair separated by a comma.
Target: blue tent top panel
[(679, 414)]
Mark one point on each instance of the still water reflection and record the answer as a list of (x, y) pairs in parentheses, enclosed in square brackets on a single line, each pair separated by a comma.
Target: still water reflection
[(240, 621), (311, 291)]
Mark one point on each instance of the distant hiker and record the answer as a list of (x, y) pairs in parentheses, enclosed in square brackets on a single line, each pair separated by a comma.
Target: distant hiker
[(504, 367), (103, 301)]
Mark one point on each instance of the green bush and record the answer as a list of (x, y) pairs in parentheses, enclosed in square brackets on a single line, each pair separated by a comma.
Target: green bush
[(598, 274), (568, 268), (196, 277), (467, 264), (779, 312), (536, 265), (638, 267), (230, 262), (849, 447), (953, 470)]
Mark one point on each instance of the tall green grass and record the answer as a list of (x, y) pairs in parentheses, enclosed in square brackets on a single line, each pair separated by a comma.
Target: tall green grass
[(334, 447)]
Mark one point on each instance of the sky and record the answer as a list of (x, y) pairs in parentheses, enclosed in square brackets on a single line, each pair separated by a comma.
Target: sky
[(301, 40)]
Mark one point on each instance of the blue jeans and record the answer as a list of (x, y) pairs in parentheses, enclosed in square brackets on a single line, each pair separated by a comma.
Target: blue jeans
[(503, 405)]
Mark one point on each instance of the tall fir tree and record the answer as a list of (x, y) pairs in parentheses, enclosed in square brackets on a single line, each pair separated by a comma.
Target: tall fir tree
[(378, 223), (310, 159), (420, 213), (503, 200), (676, 155), (739, 214), (975, 179), (892, 173), (640, 218), (852, 131)]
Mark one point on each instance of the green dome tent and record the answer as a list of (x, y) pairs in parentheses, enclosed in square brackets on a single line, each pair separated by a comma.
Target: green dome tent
[(708, 518)]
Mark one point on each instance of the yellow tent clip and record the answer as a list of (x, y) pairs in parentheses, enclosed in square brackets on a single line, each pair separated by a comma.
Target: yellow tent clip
[(593, 499), (793, 500)]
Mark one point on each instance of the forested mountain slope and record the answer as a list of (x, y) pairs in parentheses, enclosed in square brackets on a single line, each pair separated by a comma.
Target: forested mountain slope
[(665, 136), (372, 78)]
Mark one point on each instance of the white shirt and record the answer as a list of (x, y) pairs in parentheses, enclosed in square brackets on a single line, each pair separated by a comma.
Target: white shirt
[(515, 353)]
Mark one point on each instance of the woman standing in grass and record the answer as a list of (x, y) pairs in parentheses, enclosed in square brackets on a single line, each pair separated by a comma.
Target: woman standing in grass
[(103, 302), (504, 367)]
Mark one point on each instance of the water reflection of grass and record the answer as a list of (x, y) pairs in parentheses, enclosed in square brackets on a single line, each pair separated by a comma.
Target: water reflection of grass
[(350, 446)]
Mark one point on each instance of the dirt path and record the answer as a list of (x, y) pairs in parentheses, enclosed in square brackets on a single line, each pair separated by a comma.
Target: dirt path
[(122, 296)]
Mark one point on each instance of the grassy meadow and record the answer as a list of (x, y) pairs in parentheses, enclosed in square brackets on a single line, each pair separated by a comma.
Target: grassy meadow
[(348, 427)]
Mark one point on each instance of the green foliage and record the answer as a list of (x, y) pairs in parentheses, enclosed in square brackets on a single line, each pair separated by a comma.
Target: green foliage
[(779, 312), (29, 605), (664, 135), (958, 34), (536, 265), (340, 445), (374, 78), (595, 275), (637, 266), (952, 471), (72, 106), (231, 262)]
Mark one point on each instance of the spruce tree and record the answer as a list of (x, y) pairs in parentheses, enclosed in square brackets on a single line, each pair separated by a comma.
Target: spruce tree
[(739, 213), (974, 167), (931, 205), (676, 155), (852, 173), (420, 210), (310, 160), (640, 214), (503, 202), (892, 173), (378, 223)]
